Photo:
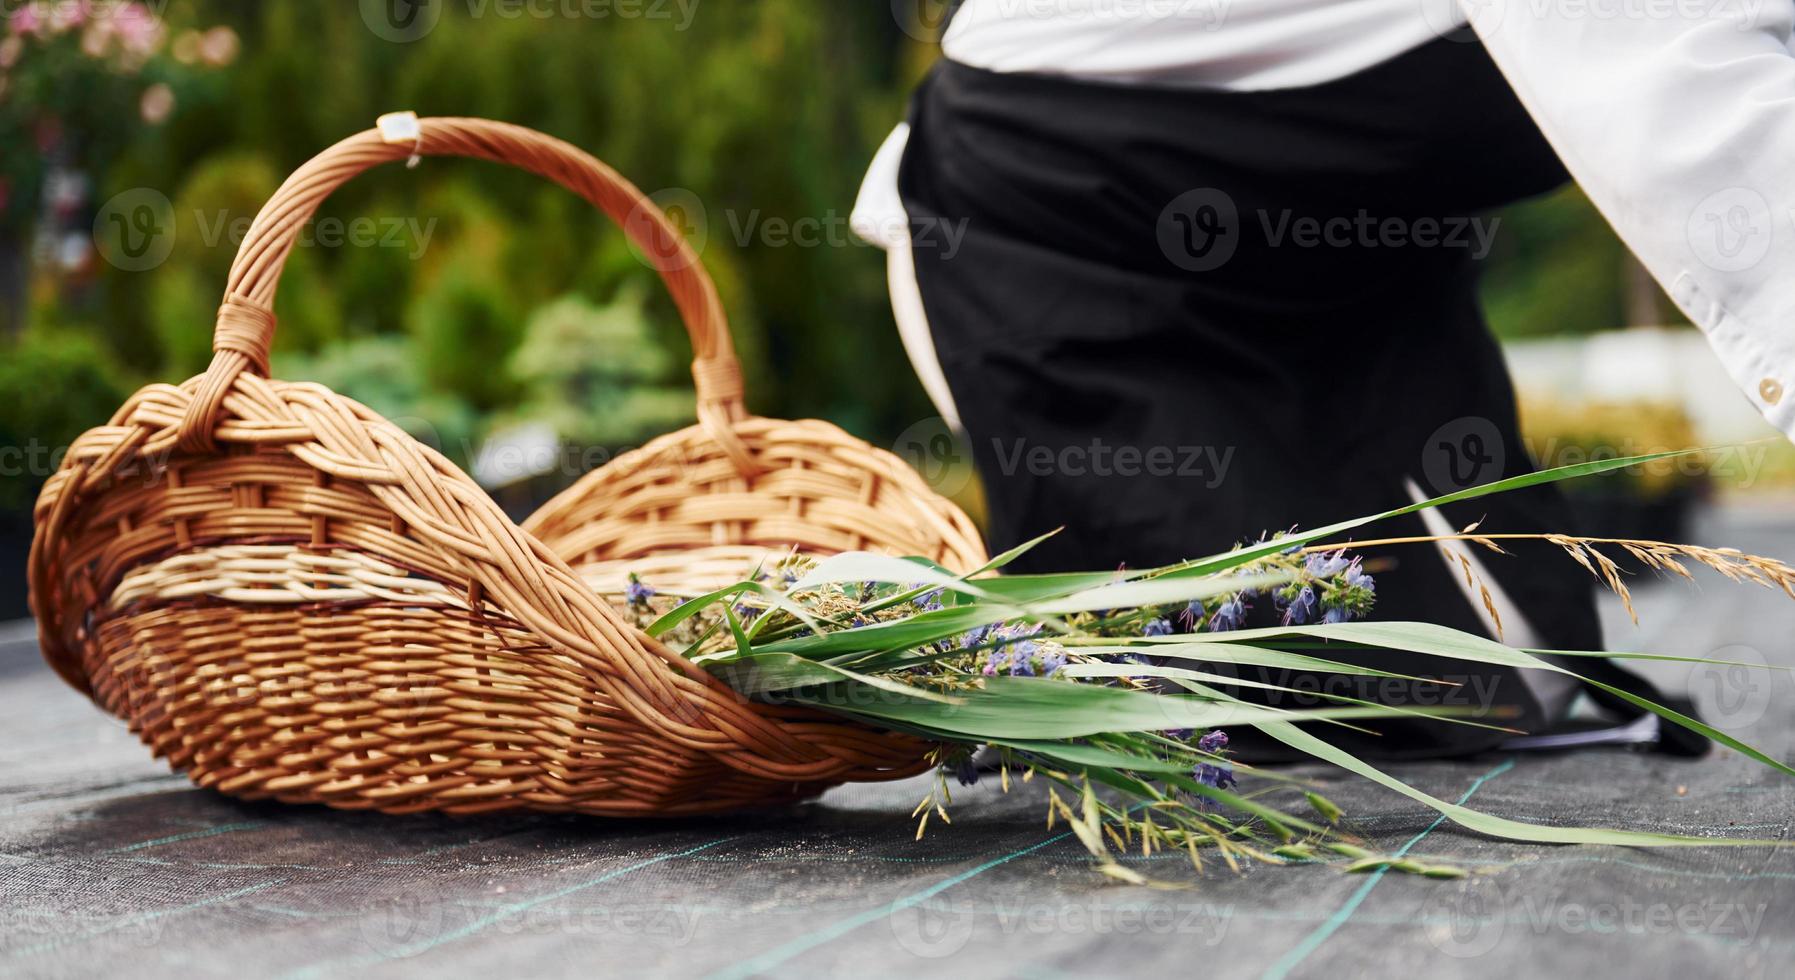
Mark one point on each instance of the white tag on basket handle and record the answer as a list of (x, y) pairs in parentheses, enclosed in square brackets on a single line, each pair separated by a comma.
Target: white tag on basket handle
[(401, 127)]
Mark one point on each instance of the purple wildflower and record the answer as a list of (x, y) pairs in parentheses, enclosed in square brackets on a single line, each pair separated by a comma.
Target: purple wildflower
[(1015, 649), (1052, 661), (1176, 734), (928, 601), (1157, 627), (1302, 608), (1324, 565), (1231, 615), (1213, 742), (1214, 775), (1192, 614), (1351, 597), (637, 592)]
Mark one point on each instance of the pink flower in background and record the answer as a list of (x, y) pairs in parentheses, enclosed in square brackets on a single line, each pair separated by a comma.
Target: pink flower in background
[(97, 39), (219, 46), (67, 14), (138, 30), (27, 20), (157, 104)]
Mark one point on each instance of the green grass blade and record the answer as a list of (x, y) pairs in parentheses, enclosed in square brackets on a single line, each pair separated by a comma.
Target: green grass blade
[(1184, 673), (1441, 641), (1486, 823), (768, 673), (1157, 592), (867, 566), (892, 635), (1222, 652), (1037, 708)]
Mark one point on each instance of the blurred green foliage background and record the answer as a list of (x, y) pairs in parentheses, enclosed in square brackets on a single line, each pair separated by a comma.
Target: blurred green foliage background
[(755, 111), (496, 298)]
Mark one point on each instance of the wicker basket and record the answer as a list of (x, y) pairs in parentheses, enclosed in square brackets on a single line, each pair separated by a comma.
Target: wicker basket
[(288, 597)]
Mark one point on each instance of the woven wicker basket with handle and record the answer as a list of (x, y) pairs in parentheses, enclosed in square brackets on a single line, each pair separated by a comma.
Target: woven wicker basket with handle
[(288, 597)]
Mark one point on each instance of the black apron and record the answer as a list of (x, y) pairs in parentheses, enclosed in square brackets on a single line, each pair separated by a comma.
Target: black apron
[(1179, 318)]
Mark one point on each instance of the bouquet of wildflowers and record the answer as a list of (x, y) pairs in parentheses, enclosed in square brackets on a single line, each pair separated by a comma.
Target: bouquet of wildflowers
[(1104, 685)]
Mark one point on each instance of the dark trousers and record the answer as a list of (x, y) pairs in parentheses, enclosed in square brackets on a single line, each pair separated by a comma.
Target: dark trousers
[(1179, 319)]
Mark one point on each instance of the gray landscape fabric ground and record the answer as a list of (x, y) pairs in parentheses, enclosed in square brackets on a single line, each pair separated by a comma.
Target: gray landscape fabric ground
[(111, 865)]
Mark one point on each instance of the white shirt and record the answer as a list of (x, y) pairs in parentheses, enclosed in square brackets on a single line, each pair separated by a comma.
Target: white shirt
[(1677, 118)]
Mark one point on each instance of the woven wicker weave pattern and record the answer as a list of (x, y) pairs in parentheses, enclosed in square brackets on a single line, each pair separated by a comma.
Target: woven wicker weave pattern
[(493, 676)]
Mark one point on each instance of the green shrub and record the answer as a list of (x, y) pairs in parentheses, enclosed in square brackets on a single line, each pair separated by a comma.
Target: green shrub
[(55, 383)]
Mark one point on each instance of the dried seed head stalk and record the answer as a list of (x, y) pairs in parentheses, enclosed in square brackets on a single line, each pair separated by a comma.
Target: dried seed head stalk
[(1475, 581), (1660, 556), (1735, 565)]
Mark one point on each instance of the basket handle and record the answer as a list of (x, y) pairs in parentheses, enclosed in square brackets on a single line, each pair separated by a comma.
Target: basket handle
[(246, 319)]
